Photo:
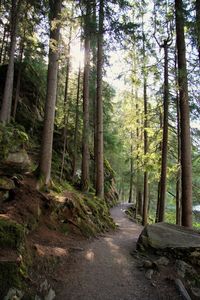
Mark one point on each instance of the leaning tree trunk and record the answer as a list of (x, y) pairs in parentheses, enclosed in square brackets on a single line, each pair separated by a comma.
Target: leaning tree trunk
[(5, 113), (163, 178), (186, 164), (47, 137), (100, 148), (85, 176)]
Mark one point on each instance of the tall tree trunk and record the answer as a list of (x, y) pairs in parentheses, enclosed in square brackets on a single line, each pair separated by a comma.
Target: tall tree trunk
[(5, 113), (94, 90), (100, 148), (139, 203), (65, 104), (5, 53), (3, 43), (17, 93), (47, 137), (158, 192), (145, 197), (85, 176), (198, 26), (163, 178), (131, 171), (186, 164), (178, 176), (76, 125)]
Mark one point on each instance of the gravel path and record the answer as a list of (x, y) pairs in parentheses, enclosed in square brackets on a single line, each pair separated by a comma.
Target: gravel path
[(105, 270)]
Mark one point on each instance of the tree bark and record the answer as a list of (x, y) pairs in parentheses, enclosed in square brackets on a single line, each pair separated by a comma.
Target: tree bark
[(5, 54), (47, 137), (145, 196), (85, 176), (100, 148), (186, 164), (2, 43), (65, 104), (178, 176), (158, 192), (94, 94), (17, 93), (5, 113), (163, 178), (131, 172), (198, 26), (76, 126)]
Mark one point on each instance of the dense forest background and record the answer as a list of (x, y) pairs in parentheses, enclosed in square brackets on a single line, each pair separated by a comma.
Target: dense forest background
[(104, 95)]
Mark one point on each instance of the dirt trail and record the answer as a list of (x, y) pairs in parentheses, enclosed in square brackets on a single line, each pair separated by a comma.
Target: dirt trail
[(105, 270)]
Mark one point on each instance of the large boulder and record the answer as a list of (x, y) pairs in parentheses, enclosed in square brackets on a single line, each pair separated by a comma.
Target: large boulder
[(16, 162), (173, 239)]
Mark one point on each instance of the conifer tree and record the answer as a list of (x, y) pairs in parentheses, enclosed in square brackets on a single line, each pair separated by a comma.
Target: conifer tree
[(186, 164), (5, 113), (99, 100), (47, 137)]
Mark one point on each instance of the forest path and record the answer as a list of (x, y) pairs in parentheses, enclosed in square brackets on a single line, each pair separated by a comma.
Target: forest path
[(105, 269)]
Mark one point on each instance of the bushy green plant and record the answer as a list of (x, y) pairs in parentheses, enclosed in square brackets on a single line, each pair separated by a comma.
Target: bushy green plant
[(12, 138)]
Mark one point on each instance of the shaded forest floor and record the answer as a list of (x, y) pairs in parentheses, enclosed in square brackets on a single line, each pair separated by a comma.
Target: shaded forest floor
[(69, 266), (104, 268)]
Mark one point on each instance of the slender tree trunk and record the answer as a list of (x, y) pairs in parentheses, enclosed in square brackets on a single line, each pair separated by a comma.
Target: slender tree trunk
[(198, 26), (17, 93), (5, 54), (85, 177), (139, 203), (163, 178), (145, 193), (76, 125), (158, 192), (65, 105), (145, 198), (47, 137), (131, 171), (3, 43), (100, 148), (186, 164), (5, 113), (178, 177)]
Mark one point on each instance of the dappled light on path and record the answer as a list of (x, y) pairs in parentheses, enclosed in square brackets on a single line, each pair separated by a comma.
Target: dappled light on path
[(89, 255), (105, 270)]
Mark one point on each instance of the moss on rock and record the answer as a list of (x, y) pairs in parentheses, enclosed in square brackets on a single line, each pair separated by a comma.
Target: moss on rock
[(11, 234), (10, 276)]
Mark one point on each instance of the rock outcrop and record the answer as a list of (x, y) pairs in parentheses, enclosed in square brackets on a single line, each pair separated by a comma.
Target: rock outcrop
[(175, 240)]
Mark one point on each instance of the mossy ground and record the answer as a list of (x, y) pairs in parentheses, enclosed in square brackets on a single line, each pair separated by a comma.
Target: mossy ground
[(29, 210), (12, 245), (11, 234)]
